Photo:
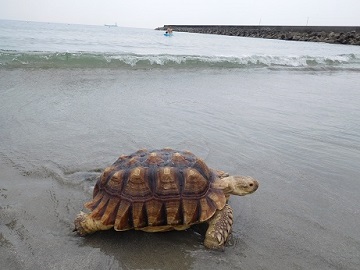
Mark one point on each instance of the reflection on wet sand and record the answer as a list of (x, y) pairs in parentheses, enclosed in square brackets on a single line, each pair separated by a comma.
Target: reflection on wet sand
[(141, 250)]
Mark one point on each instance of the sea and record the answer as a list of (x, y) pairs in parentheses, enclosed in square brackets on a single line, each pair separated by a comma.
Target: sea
[(73, 98)]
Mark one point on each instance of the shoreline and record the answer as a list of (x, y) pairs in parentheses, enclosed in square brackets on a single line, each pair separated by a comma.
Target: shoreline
[(347, 35)]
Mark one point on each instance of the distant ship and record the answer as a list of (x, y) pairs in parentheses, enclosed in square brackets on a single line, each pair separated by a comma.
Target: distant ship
[(111, 25)]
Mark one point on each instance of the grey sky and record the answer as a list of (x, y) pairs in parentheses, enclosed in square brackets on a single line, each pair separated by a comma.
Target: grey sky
[(151, 14)]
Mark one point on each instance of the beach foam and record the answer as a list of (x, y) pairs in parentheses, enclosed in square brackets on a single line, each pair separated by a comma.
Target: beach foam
[(15, 59)]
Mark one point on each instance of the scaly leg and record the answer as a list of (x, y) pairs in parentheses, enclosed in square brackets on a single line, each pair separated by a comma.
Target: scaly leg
[(219, 228), (85, 224)]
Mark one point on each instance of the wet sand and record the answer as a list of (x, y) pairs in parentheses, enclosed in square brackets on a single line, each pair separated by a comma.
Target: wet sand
[(59, 129), (37, 222)]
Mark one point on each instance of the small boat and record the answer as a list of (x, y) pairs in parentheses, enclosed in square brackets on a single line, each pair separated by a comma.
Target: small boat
[(168, 34), (111, 25)]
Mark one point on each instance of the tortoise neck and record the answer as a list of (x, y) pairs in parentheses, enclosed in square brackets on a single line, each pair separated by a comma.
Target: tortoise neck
[(225, 184)]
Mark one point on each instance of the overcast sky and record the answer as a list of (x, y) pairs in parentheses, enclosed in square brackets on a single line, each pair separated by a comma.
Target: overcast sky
[(154, 13)]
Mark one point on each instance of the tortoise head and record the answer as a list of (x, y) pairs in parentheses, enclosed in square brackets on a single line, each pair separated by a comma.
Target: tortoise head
[(240, 185)]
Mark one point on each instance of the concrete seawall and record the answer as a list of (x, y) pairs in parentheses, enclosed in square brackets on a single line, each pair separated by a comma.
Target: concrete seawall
[(330, 34)]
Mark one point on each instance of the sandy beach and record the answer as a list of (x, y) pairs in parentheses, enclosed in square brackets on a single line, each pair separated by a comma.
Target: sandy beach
[(305, 208)]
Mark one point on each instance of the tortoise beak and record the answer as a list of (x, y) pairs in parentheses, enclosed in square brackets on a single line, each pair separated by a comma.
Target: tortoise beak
[(254, 185)]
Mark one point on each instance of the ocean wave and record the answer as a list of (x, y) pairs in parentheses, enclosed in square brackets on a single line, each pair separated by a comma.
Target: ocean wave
[(16, 59)]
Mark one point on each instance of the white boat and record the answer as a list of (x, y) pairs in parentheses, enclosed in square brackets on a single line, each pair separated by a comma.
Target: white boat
[(111, 25)]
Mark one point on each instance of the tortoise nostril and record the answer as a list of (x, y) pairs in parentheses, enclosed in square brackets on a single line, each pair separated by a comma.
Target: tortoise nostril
[(251, 184)]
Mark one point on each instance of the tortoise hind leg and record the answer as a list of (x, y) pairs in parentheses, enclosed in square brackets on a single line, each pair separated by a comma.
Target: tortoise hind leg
[(219, 228), (85, 224)]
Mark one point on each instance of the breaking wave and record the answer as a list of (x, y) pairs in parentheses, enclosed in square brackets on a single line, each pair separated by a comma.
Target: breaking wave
[(16, 59)]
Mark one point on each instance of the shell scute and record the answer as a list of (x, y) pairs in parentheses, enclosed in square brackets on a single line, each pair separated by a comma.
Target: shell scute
[(99, 210), (123, 220), (138, 184), (179, 159), (217, 197), (174, 213), (202, 167), (155, 213), (195, 182), (154, 159), (105, 175), (190, 211), (208, 209), (167, 182), (110, 212), (95, 201), (116, 181), (139, 214)]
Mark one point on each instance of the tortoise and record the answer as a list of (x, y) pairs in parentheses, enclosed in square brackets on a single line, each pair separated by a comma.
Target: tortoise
[(163, 190)]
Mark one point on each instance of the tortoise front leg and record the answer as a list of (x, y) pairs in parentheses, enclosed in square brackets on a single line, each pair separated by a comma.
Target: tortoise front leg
[(85, 224), (219, 228)]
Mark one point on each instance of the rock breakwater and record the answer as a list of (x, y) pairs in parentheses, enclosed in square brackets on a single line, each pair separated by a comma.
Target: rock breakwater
[(329, 34)]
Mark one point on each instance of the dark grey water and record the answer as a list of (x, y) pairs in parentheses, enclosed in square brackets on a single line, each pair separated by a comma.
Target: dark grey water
[(297, 132)]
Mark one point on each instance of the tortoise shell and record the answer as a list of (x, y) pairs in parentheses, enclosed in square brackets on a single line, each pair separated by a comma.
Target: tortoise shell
[(155, 188)]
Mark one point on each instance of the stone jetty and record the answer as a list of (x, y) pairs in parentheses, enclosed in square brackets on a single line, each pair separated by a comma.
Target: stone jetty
[(330, 34)]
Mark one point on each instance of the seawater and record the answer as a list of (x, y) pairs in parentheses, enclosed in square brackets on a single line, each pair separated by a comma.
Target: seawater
[(75, 97), (39, 45)]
